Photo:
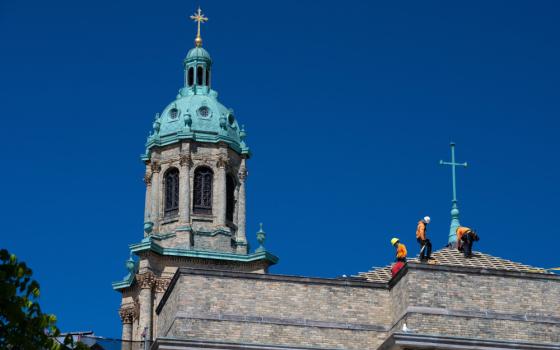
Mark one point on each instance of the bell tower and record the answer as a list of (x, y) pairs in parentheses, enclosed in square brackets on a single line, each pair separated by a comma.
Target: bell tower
[(196, 166), (194, 213)]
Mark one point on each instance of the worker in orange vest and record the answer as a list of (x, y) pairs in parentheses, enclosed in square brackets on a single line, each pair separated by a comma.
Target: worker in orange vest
[(425, 244), (400, 259), (465, 239)]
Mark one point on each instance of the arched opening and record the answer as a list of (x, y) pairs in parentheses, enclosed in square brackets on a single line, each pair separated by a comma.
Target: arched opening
[(202, 191), (199, 75), (171, 183), (230, 197), (208, 77), (190, 76)]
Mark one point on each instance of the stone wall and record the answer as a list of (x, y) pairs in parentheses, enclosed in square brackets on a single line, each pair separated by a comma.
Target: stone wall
[(176, 228), (471, 303), (271, 309)]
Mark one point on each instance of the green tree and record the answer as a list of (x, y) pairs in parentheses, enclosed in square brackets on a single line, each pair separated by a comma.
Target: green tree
[(22, 323)]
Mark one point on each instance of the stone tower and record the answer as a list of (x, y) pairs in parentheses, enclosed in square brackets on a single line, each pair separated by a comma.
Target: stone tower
[(194, 212)]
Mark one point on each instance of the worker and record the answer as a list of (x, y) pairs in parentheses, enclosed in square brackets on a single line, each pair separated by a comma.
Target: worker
[(465, 239), (425, 244), (400, 259)]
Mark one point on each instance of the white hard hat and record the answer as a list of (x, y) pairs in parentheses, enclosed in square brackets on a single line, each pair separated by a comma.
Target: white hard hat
[(427, 219)]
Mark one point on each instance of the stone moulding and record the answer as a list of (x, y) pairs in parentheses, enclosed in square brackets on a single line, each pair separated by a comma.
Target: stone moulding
[(284, 321), (471, 270), (152, 246), (179, 252), (198, 137), (166, 343), (490, 315), (401, 341), (125, 283)]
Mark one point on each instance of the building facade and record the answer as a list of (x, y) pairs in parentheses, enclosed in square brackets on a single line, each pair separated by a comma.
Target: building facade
[(196, 284)]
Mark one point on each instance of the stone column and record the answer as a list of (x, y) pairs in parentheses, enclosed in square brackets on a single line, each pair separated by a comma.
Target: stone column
[(241, 218), (220, 192), (154, 214), (146, 282), (184, 187), (127, 316)]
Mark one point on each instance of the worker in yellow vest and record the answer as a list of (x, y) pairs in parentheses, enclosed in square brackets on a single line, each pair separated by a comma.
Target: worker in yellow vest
[(465, 239), (400, 259), (401, 250)]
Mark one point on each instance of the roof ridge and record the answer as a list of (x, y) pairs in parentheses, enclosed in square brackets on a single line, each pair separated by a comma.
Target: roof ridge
[(448, 256)]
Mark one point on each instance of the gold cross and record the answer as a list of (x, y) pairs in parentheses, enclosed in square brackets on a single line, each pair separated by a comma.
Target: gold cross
[(198, 17)]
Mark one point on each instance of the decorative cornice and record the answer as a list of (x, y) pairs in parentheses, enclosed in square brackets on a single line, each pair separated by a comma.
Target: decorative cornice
[(146, 280), (156, 167), (162, 284), (222, 162), (197, 136), (128, 314), (242, 173), (153, 246), (165, 343), (399, 341), (185, 160), (148, 178)]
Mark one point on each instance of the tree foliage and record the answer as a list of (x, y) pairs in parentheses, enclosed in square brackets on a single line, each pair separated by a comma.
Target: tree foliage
[(22, 323)]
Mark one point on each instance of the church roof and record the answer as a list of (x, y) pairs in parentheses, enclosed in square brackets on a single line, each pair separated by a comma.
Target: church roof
[(452, 257)]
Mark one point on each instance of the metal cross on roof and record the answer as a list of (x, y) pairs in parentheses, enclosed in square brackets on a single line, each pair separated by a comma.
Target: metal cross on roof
[(199, 18), (454, 208)]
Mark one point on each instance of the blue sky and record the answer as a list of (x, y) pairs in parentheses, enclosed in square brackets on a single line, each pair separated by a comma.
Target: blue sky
[(348, 106)]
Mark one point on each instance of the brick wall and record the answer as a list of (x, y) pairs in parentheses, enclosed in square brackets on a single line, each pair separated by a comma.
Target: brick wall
[(479, 304), (294, 311), (239, 307)]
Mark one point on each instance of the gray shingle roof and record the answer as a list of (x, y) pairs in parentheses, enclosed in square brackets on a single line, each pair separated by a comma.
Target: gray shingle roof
[(452, 257)]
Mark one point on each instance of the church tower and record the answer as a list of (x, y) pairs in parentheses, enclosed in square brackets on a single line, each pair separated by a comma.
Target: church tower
[(194, 213)]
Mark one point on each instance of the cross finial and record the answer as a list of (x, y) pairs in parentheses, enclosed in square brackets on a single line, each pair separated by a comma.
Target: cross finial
[(454, 207), (199, 18)]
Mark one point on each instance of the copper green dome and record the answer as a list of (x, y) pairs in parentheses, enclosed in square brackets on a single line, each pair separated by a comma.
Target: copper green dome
[(196, 114)]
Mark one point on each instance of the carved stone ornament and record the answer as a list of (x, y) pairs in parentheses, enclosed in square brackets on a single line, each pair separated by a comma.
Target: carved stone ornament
[(146, 280), (222, 162), (156, 167), (148, 178), (185, 160), (162, 284), (242, 173), (127, 314)]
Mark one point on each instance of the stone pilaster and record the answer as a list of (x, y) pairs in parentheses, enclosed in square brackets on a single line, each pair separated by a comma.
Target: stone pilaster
[(220, 192), (160, 287), (241, 236), (127, 315), (184, 186), (148, 202), (146, 282), (154, 213)]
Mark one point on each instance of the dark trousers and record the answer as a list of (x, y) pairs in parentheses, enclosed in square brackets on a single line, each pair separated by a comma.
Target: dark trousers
[(427, 252), (467, 244)]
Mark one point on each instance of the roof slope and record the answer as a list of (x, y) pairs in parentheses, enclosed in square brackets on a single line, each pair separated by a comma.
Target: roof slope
[(452, 257)]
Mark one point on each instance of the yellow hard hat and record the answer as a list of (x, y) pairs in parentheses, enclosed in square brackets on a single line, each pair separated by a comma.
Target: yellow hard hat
[(394, 240)]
